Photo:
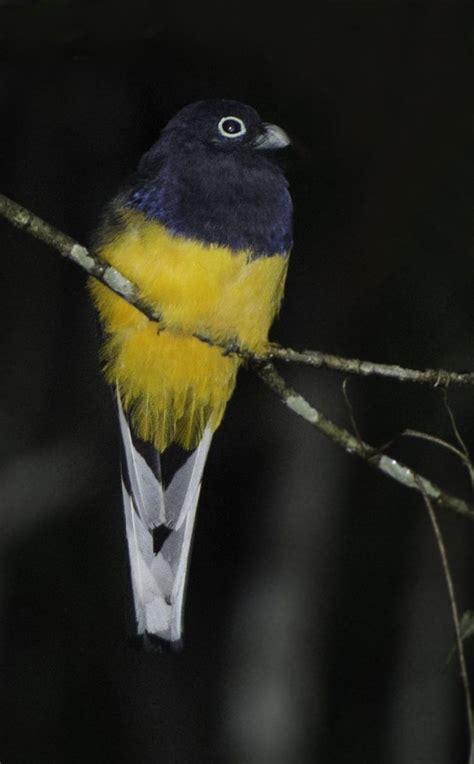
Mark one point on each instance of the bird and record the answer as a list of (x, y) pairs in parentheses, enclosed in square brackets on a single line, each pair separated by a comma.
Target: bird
[(203, 228)]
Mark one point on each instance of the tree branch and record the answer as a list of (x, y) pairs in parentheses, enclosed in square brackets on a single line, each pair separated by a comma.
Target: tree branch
[(436, 377), (67, 247), (372, 456)]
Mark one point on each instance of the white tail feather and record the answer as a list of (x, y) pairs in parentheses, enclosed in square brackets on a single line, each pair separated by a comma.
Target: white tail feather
[(151, 511)]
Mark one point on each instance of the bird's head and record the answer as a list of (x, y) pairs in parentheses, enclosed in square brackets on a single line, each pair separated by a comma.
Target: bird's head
[(213, 175), (219, 126)]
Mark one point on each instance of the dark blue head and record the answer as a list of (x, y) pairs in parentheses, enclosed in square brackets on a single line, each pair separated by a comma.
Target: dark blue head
[(219, 126), (213, 176)]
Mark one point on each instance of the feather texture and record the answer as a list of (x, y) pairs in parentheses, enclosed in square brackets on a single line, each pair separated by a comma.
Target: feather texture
[(159, 519), (171, 383)]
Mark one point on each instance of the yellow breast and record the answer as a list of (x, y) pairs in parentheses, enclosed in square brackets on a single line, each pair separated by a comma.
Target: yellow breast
[(171, 383)]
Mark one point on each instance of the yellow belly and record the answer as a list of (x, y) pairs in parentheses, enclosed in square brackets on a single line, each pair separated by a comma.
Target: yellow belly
[(171, 383)]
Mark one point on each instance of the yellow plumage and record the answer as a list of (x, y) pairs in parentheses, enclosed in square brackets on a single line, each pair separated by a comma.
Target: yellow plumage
[(171, 383)]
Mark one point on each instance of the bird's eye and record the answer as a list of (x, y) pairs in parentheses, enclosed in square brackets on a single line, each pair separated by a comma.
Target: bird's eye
[(231, 127)]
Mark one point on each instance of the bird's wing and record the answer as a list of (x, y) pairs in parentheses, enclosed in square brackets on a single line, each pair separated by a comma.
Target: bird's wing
[(160, 495)]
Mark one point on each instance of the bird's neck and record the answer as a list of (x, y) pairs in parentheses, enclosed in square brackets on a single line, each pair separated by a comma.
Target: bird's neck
[(242, 208)]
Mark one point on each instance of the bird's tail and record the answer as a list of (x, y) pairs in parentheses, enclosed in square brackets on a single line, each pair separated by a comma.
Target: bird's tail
[(160, 495)]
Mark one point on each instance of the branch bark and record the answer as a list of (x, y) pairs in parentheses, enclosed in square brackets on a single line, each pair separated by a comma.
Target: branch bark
[(72, 250), (317, 359), (396, 470)]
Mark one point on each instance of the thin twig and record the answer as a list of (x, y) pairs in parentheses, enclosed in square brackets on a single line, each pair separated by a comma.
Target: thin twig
[(439, 442), (459, 437), (398, 471), (350, 410), (454, 426), (317, 359), (454, 610)]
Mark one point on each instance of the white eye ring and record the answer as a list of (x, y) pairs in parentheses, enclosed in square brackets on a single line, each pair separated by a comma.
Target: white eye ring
[(241, 131)]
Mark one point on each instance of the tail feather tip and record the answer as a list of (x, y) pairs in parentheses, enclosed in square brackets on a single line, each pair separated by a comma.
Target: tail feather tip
[(152, 643)]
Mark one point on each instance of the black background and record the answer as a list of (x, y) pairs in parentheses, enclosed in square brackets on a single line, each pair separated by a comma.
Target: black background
[(317, 621)]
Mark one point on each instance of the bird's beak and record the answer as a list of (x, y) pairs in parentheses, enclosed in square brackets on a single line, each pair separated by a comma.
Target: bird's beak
[(272, 138)]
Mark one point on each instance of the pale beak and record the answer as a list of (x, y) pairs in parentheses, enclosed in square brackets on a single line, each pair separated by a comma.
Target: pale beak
[(272, 138)]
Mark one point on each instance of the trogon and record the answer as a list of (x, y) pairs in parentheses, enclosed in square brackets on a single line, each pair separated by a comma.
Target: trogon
[(204, 229)]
